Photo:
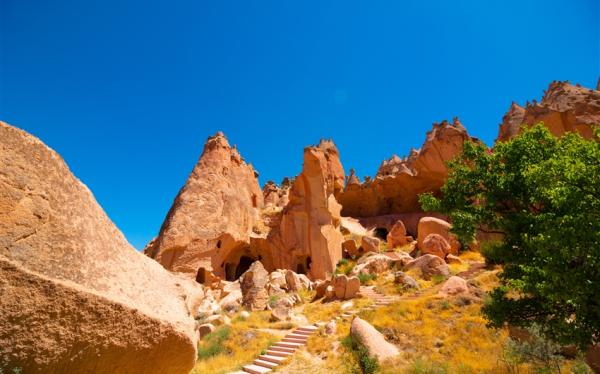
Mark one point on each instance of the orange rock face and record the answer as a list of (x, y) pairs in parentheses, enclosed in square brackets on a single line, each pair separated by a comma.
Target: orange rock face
[(564, 107), (398, 183), (308, 238), (76, 297), (209, 226)]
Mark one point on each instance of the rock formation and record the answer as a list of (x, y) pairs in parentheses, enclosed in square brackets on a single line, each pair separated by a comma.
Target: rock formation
[(76, 297), (564, 107), (398, 182), (308, 237), (209, 226), (432, 225), (372, 340)]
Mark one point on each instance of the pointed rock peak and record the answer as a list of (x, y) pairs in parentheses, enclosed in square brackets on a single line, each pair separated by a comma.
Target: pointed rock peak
[(216, 141), (352, 178), (327, 145), (598, 85)]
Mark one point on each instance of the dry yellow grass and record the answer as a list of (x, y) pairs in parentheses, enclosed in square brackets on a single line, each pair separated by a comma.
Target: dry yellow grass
[(240, 348)]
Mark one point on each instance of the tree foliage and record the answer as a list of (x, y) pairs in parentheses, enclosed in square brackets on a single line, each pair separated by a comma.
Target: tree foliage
[(543, 194)]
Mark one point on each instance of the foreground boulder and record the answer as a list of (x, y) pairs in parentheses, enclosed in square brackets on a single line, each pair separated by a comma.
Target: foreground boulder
[(372, 340), (397, 236), (76, 297), (436, 245), (252, 283), (430, 266), (454, 286)]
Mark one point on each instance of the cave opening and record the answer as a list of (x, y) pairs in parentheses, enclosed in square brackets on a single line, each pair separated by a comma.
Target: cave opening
[(201, 275), (233, 271), (303, 265), (381, 233)]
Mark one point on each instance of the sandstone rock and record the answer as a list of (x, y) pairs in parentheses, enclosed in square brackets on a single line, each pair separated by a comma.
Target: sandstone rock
[(339, 284), (373, 264), (252, 283), (330, 327), (211, 220), (436, 245), (406, 281), (346, 305), (281, 312), (352, 288), (432, 225), (452, 259), (370, 244), (305, 282), (350, 248), (454, 286), (320, 288), (217, 320), (564, 107), (429, 265), (352, 226), (232, 302), (229, 287), (397, 236), (205, 329), (308, 238), (399, 181), (373, 340), (76, 297), (329, 293), (296, 282), (275, 196)]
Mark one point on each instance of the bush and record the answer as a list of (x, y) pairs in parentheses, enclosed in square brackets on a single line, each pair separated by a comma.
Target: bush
[(542, 354), (368, 364), (365, 278), (212, 344)]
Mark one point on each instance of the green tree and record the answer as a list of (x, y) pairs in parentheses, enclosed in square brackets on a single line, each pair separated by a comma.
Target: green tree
[(543, 194)]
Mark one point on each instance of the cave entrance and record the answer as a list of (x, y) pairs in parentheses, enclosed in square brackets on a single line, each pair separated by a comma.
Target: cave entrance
[(303, 265), (381, 233), (233, 271), (201, 275)]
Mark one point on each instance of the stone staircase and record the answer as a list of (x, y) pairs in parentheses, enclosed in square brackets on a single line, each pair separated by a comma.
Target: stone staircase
[(378, 298), (278, 353)]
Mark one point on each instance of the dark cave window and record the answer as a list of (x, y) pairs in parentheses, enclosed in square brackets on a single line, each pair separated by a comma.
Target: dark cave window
[(201, 276), (381, 233), (219, 244)]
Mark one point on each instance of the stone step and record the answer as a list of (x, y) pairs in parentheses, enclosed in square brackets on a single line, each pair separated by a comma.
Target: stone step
[(265, 364), (281, 349), (284, 354), (255, 369), (296, 336), (303, 333), (287, 345), (307, 328), (292, 340), (273, 359)]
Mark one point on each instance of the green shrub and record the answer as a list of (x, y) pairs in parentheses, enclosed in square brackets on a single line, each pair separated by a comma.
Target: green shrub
[(365, 278), (212, 344), (368, 364)]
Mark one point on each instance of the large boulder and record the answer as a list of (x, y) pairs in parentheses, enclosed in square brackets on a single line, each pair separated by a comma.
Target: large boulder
[(76, 297), (253, 286), (435, 244), (397, 236), (372, 340), (345, 287), (350, 248), (432, 225), (454, 286), (429, 265), (376, 263)]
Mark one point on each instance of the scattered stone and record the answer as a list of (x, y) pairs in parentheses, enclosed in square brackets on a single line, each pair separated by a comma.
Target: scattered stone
[(370, 244), (405, 281), (244, 314), (372, 339), (454, 286), (373, 264), (429, 265), (330, 327), (350, 248), (436, 245), (347, 305), (452, 259), (205, 329)]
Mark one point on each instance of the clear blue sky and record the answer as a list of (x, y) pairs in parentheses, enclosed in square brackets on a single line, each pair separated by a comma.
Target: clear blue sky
[(128, 91)]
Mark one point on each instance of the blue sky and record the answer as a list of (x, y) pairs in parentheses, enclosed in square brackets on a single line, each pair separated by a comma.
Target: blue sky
[(128, 91)]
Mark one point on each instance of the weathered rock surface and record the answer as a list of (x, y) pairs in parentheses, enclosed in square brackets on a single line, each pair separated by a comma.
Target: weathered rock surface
[(564, 107), (276, 196), (252, 284), (373, 264), (398, 182), (429, 265), (350, 248), (369, 244), (397, 236), (212, 218), (373, 340), (308, 238), (454, 286), (405, 281), (345, 287), (76, 297), (436, 245), (432, 225)]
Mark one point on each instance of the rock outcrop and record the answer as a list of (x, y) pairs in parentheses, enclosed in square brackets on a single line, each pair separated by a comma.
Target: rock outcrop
[(398, 182), (564, 107), (76, 297), (397, 236), (432, 225), (276, 196), (308, 238), (209, 226)]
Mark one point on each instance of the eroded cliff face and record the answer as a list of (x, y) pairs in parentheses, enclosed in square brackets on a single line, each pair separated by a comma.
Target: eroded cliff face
[(209, 226), (76, 297), (398, 182), (306, 236), (564, 107)]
